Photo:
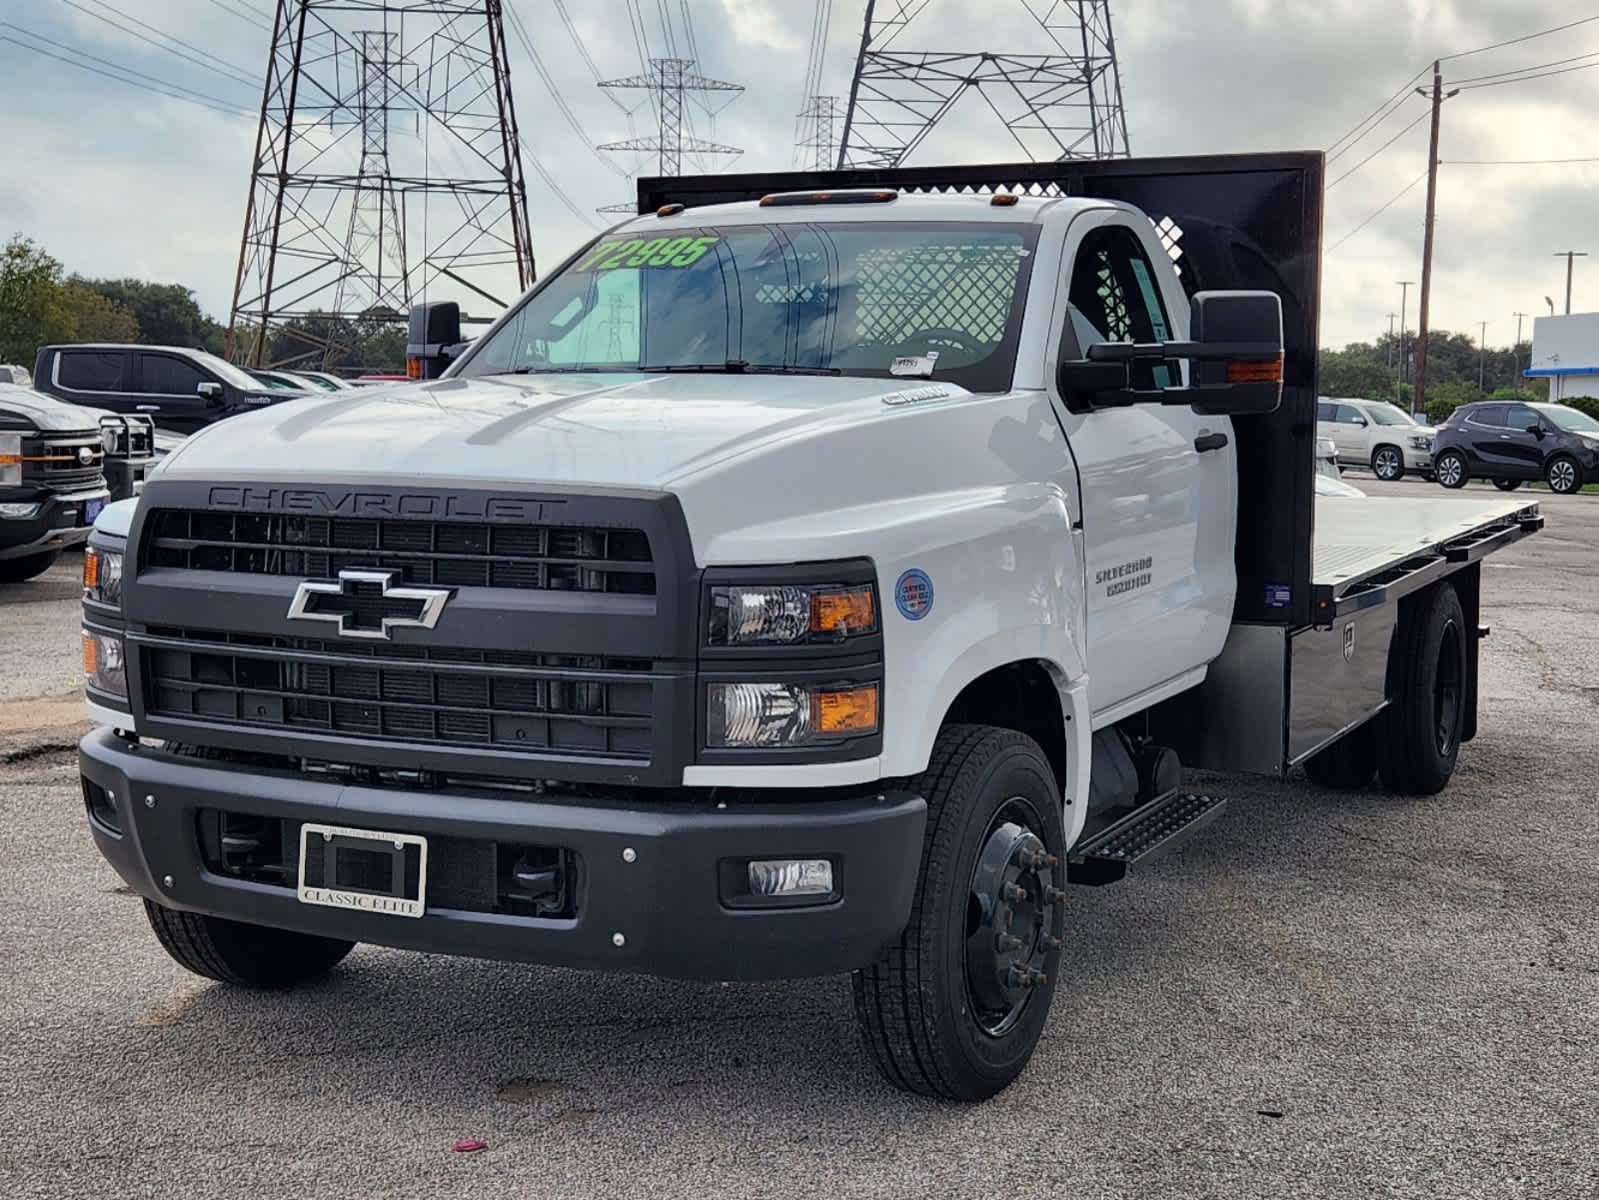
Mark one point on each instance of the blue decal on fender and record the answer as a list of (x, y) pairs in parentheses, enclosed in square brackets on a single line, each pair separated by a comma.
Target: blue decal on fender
[(913, 595)]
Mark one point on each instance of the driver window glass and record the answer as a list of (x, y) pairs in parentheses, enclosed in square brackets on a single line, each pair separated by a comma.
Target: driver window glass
[(1114, 298), (1523, 419), (163, 376), (1491, 414), (1348, 414)]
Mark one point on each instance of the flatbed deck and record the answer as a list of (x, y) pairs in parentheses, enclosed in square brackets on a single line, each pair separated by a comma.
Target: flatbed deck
[(1372, 549)]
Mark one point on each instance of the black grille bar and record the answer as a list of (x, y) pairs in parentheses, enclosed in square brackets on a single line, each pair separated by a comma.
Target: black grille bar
[(56, 462), (456, 554)]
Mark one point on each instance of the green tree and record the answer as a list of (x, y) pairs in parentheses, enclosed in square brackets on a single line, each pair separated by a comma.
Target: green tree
[(167, 313), (93, 318), (33, 308)]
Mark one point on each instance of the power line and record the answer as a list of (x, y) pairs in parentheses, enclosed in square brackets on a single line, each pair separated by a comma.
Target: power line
[(1472, 87), (227, 70), (170, 90), (1512, 162), (242, 15), (1517, 41), (1392, 201), (555, 90), (1390, 104), (1419, 119), (1559, 62), (554, 186)]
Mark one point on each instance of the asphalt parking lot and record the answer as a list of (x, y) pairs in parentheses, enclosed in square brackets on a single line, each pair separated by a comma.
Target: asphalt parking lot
[(1323, 995)]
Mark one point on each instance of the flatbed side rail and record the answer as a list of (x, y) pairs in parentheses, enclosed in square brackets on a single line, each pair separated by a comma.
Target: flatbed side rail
[(1383, 585)]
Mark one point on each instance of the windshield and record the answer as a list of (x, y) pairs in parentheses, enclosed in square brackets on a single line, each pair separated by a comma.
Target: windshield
[(1387, 414), (229, 373), (1568, 419), (838, 298), (264, 380)]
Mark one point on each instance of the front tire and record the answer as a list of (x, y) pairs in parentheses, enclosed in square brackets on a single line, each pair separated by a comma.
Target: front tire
[(1418, 734), (956, 1006), (1388, 464), (1507, 485), (1563, 475), (251, 956), (1451, 469), (19, 570)]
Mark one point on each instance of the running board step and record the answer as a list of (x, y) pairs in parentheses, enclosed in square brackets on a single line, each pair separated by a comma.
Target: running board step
[(1151, 830)]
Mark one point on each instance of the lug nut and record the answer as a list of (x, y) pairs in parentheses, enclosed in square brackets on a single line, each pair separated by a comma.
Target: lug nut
[(1019, 977), (1015, 893), (1054, 895), (1037, 979), (1048, 943), (1009, 942)]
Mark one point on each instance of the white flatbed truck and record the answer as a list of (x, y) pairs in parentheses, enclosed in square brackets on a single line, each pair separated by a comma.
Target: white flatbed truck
[(814, 574)]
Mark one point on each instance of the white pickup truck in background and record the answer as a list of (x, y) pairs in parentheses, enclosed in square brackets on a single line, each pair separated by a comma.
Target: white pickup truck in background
[(811, 575)]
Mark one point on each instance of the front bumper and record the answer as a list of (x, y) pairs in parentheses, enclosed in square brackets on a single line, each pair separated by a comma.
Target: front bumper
[(668, 904), (1417, 460), (60, 522)]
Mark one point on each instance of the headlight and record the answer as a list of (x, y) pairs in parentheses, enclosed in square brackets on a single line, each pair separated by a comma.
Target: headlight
[(10, 458), (766, 715), (102, 575), (104, 667), (19, 512), (1420, 441), (785, 615), (108, 439)]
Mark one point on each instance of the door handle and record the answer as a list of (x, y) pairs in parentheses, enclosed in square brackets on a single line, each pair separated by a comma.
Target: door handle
[(1210, 441)]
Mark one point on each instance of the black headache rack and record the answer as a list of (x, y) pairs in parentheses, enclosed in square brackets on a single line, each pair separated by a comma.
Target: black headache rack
[(1243, 221)]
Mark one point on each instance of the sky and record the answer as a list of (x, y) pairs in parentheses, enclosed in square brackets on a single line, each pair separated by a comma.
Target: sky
[(117, 180)]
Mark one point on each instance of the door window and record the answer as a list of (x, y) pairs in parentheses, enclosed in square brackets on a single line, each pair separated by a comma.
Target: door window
[(1114, 297), (1522, 418), (1326, 412), (1348, 414), (1492, 415), (166, 376), (91, 370)]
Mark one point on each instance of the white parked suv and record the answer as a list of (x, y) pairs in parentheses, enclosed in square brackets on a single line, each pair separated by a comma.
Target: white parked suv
[(1376, 434)]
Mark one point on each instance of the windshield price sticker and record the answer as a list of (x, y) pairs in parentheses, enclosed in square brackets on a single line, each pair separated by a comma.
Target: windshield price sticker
[(646, 252)]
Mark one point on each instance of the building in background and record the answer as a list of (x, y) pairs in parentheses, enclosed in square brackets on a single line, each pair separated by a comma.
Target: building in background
[(1565, 351)]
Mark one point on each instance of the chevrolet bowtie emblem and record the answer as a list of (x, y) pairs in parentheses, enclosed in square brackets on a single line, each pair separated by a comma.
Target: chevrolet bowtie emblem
[(367, 604)]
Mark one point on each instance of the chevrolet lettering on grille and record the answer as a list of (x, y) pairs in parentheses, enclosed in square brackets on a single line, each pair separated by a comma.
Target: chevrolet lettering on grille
[(368, 604)]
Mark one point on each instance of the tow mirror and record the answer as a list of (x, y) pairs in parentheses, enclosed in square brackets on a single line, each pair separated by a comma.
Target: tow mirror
[(1085, 384), (209, 390), (434, 338), (1235, 356)]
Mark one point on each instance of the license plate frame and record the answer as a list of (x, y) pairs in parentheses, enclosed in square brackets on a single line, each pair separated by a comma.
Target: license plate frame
[(320, 850), (91, 510)]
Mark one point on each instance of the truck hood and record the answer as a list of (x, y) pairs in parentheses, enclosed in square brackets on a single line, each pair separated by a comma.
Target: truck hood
[(631, 430), (47, 414)]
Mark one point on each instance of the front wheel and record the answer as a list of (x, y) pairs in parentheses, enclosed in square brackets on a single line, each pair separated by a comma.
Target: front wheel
[(1451, 469), (1507, 485), (18, 570), (1388, 464), (252, 956), (957, 1004), (1563, 475)]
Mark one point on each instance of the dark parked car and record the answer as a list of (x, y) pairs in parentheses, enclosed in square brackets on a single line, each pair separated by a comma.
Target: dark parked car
[(183, 390), (1513, 443)]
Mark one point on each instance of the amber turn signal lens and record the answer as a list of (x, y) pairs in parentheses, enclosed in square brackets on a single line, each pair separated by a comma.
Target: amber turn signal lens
[(91, 660), (852, 711), (91, 570), (413, 368), (844, 612), (1268, 371)]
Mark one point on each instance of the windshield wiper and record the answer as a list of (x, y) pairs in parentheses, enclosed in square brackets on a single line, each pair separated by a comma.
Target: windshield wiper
[(568, 371), (737, 366)]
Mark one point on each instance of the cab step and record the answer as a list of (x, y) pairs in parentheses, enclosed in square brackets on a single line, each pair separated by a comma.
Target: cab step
[(1142, 836)]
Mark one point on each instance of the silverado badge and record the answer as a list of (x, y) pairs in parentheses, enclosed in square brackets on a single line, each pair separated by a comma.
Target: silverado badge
[(367, 604)]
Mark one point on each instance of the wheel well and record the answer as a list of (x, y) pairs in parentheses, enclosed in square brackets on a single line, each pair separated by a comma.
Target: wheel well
[(1387, 446), (1020, 696)]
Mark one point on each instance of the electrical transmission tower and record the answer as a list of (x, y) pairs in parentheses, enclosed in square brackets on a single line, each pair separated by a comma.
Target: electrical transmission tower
[(818, 122), (671, 80), (349, 215), (1062, 104)]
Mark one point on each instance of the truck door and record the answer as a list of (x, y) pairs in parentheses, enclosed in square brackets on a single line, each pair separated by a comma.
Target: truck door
[(1158, 483), (167, 391)]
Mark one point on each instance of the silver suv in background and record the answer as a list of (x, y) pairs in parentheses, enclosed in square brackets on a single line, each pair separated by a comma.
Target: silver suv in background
[(1376, 434)]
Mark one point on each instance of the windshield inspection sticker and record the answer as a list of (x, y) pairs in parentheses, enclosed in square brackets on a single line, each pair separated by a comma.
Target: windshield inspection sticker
[(646, 252), (918, 366), (913, 595)]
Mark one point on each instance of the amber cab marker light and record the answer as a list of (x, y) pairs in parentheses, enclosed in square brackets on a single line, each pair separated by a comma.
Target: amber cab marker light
[(669, 210), (1002, 200), (1258, 371), (413, 368), (843, 613), (850, 711)]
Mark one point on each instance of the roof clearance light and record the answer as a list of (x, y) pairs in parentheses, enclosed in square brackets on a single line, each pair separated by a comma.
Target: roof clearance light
[(1002, 200), (669, 210), (853, 196)]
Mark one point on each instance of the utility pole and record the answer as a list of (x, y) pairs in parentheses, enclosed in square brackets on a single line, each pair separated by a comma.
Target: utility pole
[(1515, 350), (1404, 356), (1571, 257), (1392, 317), (1418, 401), (1482, 354)]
